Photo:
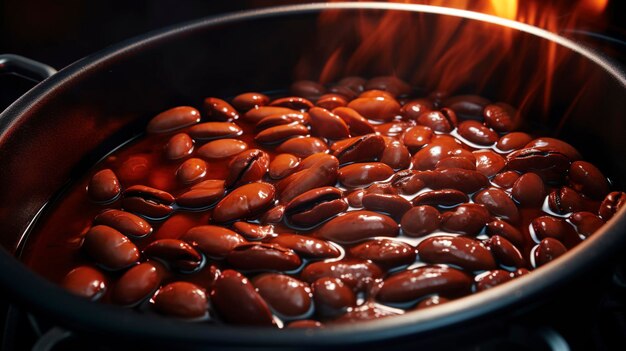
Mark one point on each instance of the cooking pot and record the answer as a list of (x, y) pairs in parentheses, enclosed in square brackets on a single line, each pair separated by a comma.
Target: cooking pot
[(62, 126)]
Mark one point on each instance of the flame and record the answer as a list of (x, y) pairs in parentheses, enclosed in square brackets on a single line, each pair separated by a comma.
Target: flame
[(454, 55)]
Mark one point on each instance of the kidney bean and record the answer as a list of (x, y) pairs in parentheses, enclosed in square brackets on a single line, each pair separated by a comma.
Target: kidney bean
[(586, 223), (385, 252), (467, 219), (137, 283), (505, 252), (394, 205), (554, 145), (488, 162), (262, 256), (360, 174), (280, 133), (302, 147), (442, 197), (354, 83), (253, 231), (565, 200), (500, 117), (429, 155), (332, 297), (513, 141), (357, 225), (417, 137), (368, 147), (110, 248), (505, 179), (236, 300), (414, 108), (549, 165), (179, 146), (257, 114), (219, 110), (283, 165), (416, 283), (467, 106), (328, 125), (548, 250), (550, 227), (222, 148), (420, 220), (181, 299), (191, 171), (293, 102), (331, 101), (247, 101), (147, 201), (357, 124), (313, 207), (492, 278), (85, 281), (376, 108), (455, 178), (176, 253), (529, 190), (213, 241), (381, 188), (203, 194), (456, 162), (587, 179), (305, 246), (477, 133), (282, 119), (273, 215), (465, 252), (322, 172), (355, 198), (407, 182), (391, 84), (214, 130), (504, 229), (173, 119), (244, 202), (124, 222), (612, 203), (247, 167), (286, 295), (357, 274), (396, 155), (376, 93), (308, 89), (104, 187), (443, 120), (431, 301), (498, 203)]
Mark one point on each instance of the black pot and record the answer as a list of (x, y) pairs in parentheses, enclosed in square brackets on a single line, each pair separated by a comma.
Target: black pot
[(62, 126)]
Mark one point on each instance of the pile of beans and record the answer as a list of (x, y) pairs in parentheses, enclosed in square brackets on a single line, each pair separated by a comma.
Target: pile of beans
[(336, 203)]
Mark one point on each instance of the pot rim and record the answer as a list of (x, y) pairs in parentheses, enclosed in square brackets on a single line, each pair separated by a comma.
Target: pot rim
[(112, 320)]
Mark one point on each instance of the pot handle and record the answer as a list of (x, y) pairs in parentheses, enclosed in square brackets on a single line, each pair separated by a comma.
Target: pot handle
[(25, 67)]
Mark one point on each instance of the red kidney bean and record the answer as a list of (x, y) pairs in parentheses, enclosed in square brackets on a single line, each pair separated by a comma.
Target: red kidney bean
[(391, 84), (488, 162), (253, 231), (395, 205), (416, 283), (529, 190), (513, 141), (173, 119), (565, 200), (110, 248), (179, 146), (124, 222), (286, 295), (203, 194), (492, 278), (308, 89), (322, 172), (247, 101), (137, 283), (315, 206), (214, 130), (414, 108), (420, 220), (417, 137), (456, 162), (467, 219), (282, 119), (357, 124), (552, 166), (555, 145), (257, 114), (505, 252), (219, 110), (612, 203), (505, 179), (353, 83), (247, 167), (396, 155), (181, 299), (283, 165), (237, 302), (556, 228), (477, 133), (429, 155), (407, 182), (357, 225), (382, 188), (504, 229), (86, 282), (355, 198), (442, 197), (147, 201), (431, 301), (213, 241), (191, 171), (222, 148), (261, 256), (328, 125), (586, 223), (467, 106), (357, 274), (443, 120), (361, 174), (500, 117), (331, 101), (548, 250), (305, 246), (176, 253), (303, 146), (587, 179), (455, 178), (273, 215), (332, 297), (464, 252), (244, 202), (385, 252), (293, 102), (376, 108), (498, 203), (368, 147), (104, 186), (281, 133)]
